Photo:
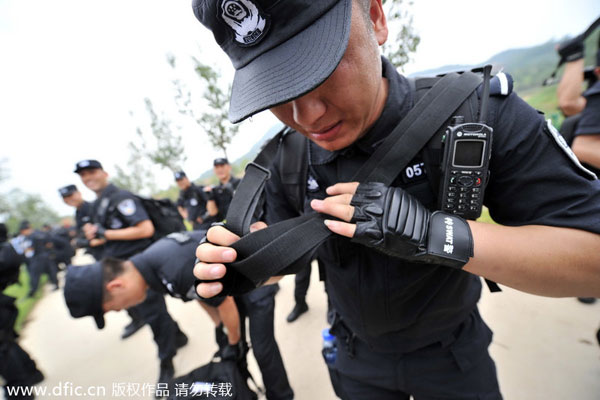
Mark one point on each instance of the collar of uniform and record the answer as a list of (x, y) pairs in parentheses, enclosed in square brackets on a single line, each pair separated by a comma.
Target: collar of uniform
[(397, 105), (150, 276), (108, 190)]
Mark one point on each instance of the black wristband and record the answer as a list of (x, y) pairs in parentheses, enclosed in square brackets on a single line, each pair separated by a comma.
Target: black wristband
[(572, 49)]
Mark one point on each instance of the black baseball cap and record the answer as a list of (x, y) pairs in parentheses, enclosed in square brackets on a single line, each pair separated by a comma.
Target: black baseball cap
[(83, 292), (220, 161), (87, 164), (67, 190), (280, 50), (179, 175), (24, 225)]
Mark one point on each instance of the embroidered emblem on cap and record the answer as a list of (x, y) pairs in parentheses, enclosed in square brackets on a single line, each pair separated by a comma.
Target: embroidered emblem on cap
[(248, 23), (84, 164)]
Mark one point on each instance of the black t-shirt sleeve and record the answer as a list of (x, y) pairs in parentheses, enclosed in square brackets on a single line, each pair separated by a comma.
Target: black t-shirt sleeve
[(589, 124), (532, 180)]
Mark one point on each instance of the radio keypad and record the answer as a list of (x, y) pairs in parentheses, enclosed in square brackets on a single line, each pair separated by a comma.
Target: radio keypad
[(468, 186)]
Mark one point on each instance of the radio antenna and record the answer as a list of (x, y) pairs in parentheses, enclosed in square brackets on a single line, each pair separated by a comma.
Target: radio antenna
[(486, 93)]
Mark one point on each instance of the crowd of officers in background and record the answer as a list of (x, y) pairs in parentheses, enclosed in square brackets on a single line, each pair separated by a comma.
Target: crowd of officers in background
[(122, 230)]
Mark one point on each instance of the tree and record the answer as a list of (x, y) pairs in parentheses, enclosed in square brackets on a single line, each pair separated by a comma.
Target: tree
[(4, 175), (165, 148), (138, 178), (403, 39), (30, 207), (213, 120)]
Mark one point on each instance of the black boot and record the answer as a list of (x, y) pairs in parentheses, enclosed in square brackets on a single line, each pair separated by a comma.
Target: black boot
[(300, 308), (134, 326), (181, 339)]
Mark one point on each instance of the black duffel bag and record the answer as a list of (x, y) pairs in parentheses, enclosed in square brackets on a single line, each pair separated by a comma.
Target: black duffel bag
[(220, 380)]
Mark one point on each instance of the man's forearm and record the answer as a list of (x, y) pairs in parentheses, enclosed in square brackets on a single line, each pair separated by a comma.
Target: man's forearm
[(143, 230), (570, 100), (541, 260), (587, 149)]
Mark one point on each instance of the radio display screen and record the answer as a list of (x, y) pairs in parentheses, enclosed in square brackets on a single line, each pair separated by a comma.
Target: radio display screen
[(468, 153)]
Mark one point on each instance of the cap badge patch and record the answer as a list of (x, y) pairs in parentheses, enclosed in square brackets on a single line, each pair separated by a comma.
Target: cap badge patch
[(245, 19)]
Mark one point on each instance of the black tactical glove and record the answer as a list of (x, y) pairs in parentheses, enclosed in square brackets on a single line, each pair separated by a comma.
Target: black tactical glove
[(100, 231), (572, 49), (392, 221), (233, 282), (80, 242)]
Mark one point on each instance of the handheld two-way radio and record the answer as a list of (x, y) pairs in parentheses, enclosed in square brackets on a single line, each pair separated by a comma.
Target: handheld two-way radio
[(467, 148)]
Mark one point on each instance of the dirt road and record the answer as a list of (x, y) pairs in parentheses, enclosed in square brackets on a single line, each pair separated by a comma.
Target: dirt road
[(544, 348)]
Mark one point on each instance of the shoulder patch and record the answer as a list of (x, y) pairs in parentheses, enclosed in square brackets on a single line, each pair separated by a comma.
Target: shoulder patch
[(127, 207), (500, 85), (562, 144)]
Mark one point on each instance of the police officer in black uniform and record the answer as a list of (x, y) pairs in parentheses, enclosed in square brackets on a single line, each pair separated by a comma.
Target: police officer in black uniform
[(405, 327), (83, 215), (193, 202), (121, 222), (38, 248), (166, 267), (17, 369), (61, 251), (222, 193)]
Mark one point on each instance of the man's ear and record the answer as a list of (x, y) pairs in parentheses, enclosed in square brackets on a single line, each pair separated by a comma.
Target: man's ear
[(379, 21), (115, 284)]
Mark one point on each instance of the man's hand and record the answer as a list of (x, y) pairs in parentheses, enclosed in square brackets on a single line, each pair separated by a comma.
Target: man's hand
[(214, 255), (90, 230), (393, 222), (338, 205)]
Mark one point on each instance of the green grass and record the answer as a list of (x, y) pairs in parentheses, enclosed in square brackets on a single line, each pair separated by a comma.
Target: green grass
[(19, 291), (485, 217), (544, 99)]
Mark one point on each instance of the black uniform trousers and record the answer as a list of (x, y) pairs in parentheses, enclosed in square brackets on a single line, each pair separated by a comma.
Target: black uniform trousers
[(457, 368), (260, 309), (302, 282), (38, 265), (153, 311)]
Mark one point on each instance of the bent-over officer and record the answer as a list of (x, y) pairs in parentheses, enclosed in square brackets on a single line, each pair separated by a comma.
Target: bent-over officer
[(124, 226), (166, 267), (408, 323)]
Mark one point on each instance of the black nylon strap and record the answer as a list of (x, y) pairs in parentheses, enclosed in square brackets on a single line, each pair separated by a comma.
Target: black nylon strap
[(247, 196), (270, 251), (249, 190), (419, 125)]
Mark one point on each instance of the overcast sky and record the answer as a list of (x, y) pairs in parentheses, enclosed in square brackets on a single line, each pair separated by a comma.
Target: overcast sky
[(74, 73)]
